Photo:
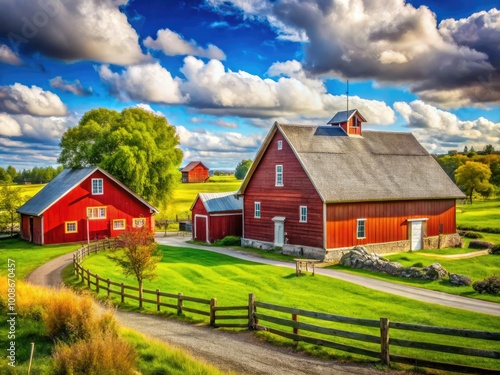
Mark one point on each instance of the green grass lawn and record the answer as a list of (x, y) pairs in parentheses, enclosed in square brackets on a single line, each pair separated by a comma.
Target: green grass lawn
[(483, 214), (29, 190), (205, 275), (28, 256)]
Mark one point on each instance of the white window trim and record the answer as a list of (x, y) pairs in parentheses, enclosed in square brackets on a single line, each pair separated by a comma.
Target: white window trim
[(98, 208), (102, 186), (357, 229), (255, 211), (279, 173), (134, 221), (121, 221), (280, 145), (300, 214)]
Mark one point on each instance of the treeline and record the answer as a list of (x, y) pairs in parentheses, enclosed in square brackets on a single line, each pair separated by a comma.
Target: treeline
[(37, 175)]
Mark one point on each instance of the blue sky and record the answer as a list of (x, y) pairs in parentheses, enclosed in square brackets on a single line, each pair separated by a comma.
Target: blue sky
[(223, 71)]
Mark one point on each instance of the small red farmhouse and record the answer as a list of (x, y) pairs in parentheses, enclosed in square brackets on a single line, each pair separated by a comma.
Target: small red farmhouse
[(81, 204), (318, 190), (195, 171), (216, 215)]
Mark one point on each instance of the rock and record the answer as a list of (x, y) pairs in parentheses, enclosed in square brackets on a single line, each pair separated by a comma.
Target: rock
[(460, 280), (412, 273), (476, 244), (434, 272)]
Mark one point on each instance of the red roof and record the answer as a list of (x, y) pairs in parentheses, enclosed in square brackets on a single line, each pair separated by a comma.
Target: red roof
[(191, 166)]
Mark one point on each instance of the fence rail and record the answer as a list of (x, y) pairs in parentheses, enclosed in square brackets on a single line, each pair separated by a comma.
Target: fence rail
[(252, 315)]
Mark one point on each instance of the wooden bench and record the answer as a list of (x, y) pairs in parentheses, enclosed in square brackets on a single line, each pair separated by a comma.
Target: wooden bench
[(300, 263)]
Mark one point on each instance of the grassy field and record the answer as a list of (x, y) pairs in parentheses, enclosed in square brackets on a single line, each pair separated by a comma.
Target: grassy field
[(206, 275), (29, 190), (483, 214)]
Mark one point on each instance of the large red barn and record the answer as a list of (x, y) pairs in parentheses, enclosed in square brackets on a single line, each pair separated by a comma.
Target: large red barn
[(195, 171), (318, 190), (83, 204), (215, 216)]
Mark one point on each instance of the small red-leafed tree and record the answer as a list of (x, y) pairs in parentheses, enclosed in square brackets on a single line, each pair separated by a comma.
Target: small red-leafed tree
[(137, 253)]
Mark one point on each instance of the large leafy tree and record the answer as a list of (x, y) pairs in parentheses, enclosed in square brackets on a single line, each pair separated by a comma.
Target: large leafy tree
[(242, 169), (474, 177), (136, 146), (10, 200)]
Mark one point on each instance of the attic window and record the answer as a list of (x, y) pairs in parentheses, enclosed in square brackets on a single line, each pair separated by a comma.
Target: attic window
[(279, 175), (355, 122), (97, 186), (280, 145)]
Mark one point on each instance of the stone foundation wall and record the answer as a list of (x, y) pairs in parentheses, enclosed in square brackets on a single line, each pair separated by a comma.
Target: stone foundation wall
[(304, 251), (443, 240), (263, 245)]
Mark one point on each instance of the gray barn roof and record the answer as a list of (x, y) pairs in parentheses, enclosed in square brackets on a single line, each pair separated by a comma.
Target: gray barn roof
[(220, 202), (379, 166), (61, 185), (343, 116)]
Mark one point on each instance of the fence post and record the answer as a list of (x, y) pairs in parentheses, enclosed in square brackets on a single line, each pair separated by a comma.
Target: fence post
[(122, 292), (384, 341), (295, 329), (109, 286), (81, 269), (88, 278), (96, 283), (179, 304), (158, 299), (252, 321), (213, 304)]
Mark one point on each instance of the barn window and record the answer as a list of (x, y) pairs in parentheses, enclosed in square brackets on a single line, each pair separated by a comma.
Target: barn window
[(279, 175), (257, 209), (97, 186), (70, 227), (280, 145), (119, 224), (96, 212), (138, 222), (303, 214), (361, 230)]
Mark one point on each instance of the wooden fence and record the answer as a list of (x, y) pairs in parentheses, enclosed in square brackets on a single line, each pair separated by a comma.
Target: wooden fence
[(252, 315)]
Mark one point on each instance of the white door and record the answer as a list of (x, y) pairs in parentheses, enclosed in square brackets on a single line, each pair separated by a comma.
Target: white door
[(416, 235), (279, 233)]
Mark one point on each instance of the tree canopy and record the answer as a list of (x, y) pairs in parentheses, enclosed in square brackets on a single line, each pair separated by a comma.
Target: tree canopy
[(136, 146), (242, 169), (474, 177)]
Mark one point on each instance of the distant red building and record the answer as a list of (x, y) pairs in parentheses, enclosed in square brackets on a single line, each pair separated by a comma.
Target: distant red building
[(81, 204), (195, 171), (315, 190), (215, 216)]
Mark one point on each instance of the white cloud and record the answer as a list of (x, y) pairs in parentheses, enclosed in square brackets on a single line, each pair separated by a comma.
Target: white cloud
[(45, 128), (148, 108), (440, 130), (173, 44), (214, 90), (72, 87), (8, 56), (21, 99), (226, 124), (149, 82), (9, 127), (72, 30)]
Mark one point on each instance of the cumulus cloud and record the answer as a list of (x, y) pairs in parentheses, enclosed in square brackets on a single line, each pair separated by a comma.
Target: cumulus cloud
[(21, 99), (390, 41), (9, 127), (8, 56), (221, 149), (173, 44), (440, 130), (72, 87), (72, 30), (148, 82), (214, 90)]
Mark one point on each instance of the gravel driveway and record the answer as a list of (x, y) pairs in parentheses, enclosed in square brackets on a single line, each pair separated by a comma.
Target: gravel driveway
[(241, 352)]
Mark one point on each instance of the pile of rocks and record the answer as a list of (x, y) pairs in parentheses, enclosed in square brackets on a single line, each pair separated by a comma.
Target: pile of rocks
[(360, 258)]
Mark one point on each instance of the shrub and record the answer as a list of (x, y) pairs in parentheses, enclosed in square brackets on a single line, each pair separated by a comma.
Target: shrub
[(473, 235), (495, 250), (231, 241), (490, 285), (103, 354), (70, 317), (418, 264)]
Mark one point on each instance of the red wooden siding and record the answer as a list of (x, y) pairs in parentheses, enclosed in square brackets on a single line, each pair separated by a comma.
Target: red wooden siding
[(386, 221), (31, 229), (220, 224), (197, 174), (352, 129), (73, 207), (283, 201)]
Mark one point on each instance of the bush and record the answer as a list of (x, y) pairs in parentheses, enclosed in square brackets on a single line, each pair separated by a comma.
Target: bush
[(418, 264), (231, 241), (478, 229), (103, 354), (490, 285), (70, 317), (473, 235), (495, 250)]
